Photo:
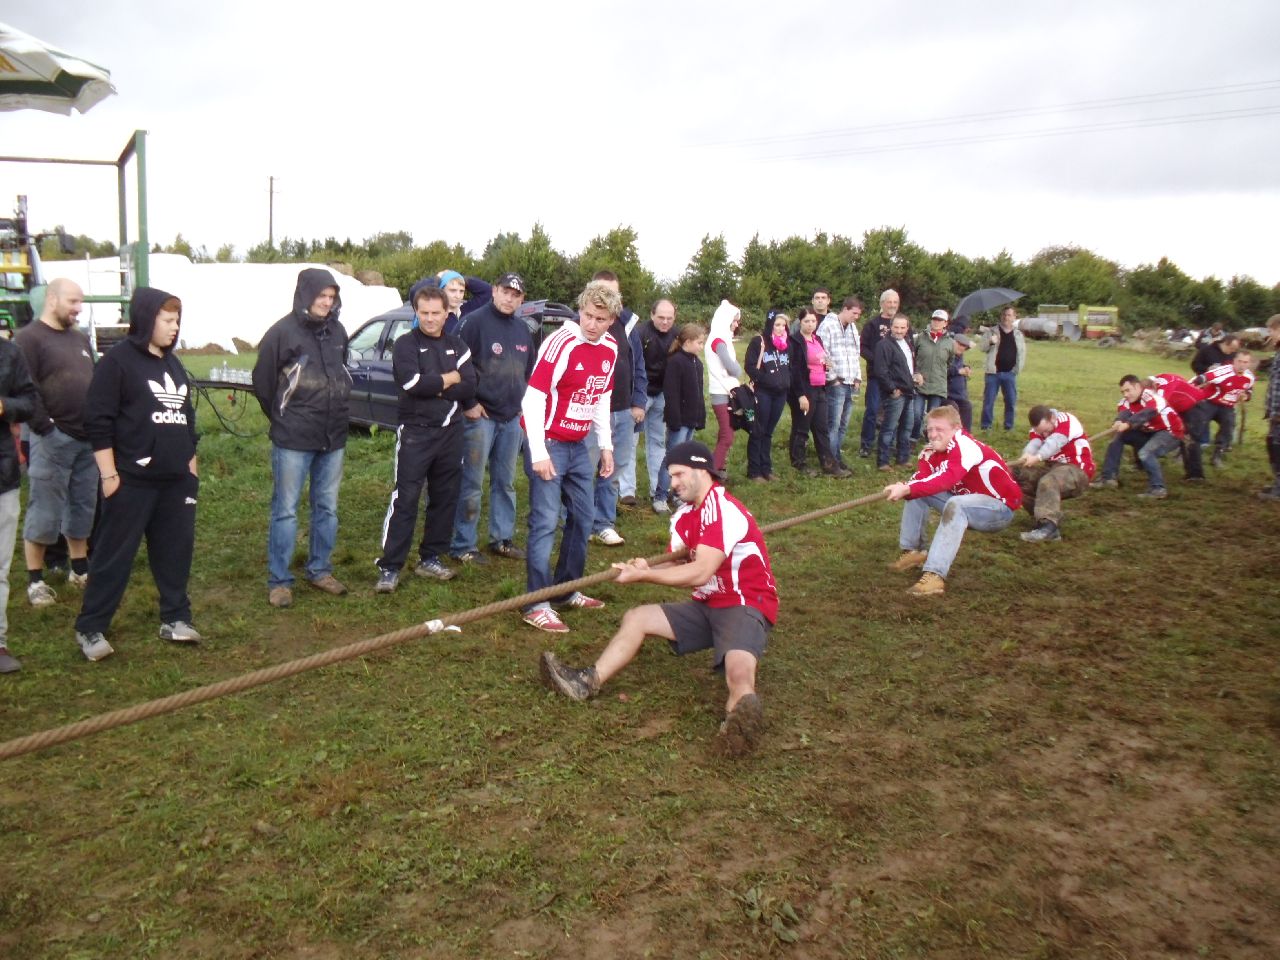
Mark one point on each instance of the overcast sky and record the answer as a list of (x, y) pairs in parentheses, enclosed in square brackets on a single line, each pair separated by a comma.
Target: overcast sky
[(679, 119)]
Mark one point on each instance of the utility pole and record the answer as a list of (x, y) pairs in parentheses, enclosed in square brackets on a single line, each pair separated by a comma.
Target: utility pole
[(271, 212)]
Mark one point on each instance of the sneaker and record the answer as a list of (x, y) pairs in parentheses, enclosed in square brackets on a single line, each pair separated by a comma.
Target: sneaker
[(77, 580), (609, 537), (1044, 530), (1217, 459), (578, 601), (1104, 483), (94, 646), (909, 560), (627, 501), (179, 632), (8, 662), (1155, 493), (471, 558), (929, 585), (329, 584), (660, 507), (742, 729), (280, 597), (574, 683), (40, 594), (505, 548), (432, 567), (864, 452), (388, 580), (544, 618)]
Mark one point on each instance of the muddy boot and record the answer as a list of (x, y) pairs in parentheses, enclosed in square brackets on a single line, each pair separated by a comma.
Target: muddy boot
[(743, 728)]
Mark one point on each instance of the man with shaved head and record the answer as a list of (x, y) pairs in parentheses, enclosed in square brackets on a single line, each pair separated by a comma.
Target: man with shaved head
[(62, 474)]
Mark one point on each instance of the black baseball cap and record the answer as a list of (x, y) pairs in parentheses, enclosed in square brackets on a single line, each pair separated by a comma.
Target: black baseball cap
[(512, 280), (691, 453)]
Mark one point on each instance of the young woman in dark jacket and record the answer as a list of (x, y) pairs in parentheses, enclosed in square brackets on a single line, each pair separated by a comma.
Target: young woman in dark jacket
[(808, 382), (768, 365), (683, 390)]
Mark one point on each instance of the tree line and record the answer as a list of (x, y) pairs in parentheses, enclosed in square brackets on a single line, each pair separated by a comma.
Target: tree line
[(781, 273)]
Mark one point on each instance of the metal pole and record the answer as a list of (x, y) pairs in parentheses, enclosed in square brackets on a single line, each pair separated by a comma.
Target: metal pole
[(271, 212)]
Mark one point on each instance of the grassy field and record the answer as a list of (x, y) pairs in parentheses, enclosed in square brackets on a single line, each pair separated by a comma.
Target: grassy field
[(1073, 754)]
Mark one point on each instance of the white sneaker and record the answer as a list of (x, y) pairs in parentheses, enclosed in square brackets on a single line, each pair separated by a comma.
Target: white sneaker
[(660, 506), (609, 537), (77, 580), (179, 632), (94, 646), (40, 594)]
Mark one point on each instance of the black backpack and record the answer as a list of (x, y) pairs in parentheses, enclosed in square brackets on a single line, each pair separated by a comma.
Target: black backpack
[(742, 408)]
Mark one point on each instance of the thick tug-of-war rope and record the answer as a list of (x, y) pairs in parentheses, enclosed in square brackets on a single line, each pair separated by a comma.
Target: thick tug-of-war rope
[(154, 708)]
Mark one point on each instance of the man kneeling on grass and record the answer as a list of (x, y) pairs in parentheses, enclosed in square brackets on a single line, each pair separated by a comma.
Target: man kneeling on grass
[(965, 481), (734, 605), (1056, 465)]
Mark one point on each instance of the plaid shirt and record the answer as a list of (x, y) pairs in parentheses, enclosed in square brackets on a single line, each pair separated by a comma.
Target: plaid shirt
[(1273, 389), (843, 344)]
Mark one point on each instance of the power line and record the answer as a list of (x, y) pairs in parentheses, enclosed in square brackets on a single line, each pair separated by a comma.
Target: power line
[(1167, 96), (1096, 127)]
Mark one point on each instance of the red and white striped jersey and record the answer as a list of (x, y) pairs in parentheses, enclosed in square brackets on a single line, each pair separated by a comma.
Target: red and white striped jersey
[(1165, 419), (1178, 392), (745, 578), (967, 466), (569, 390), (1076, 451), (1225, 387)]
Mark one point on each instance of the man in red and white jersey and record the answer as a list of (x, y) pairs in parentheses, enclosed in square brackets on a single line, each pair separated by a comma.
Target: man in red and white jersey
[(734, 604), (1185, 398), (567, 396), (1147, 423), (1056, 465), (1226, 385), (966, 482)]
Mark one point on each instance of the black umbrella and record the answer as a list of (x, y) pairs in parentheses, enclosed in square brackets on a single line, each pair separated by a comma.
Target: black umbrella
[(985, 299)]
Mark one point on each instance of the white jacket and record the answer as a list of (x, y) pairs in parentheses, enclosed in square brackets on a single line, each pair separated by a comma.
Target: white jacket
[(718, 379)]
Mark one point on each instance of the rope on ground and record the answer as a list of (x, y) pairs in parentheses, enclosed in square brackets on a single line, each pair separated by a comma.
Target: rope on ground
[(154, 708)]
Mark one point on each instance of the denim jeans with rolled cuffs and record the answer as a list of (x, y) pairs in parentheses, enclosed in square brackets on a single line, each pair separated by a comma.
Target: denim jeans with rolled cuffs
[(1150, 446), (290, 470), (570, 488), (959, 513), (494, 444)]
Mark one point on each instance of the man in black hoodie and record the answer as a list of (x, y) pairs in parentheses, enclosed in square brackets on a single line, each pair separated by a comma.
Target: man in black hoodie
[(302, 384), (434, 373), (142, 426)]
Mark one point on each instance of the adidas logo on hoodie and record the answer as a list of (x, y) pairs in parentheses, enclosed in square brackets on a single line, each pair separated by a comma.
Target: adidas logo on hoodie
[(171, 397)]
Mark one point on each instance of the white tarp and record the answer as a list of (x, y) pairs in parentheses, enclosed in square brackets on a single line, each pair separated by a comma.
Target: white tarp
[(221, 300)]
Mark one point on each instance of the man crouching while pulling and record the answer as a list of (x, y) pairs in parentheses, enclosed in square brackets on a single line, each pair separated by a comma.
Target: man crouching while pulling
[(965, 481), (734, 605)]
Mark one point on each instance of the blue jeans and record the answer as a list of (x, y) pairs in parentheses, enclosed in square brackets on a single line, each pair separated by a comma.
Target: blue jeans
[(571, 488), (922, 405), (655, 444), (839, 409), (1006, 383), (495, 444), (895, 429), (870, 413), (608, 489), (290, 469), (1151, 447), (959, 513), (769, 407)]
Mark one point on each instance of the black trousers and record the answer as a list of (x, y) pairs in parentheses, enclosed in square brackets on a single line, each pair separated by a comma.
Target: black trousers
[(815, 421), (166, 515), (430, 456)]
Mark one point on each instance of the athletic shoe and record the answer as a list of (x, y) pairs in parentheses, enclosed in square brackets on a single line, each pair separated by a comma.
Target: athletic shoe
[(864, 452), (1104, 483), (579, 601), (574, 683), (660, 507), (929, 585), (741, 731), (505, 548), (1155, 493), (1217, 459), (545, 619), (609, 537), (179, 632), (909, 560), (329, 584), (388, 580), (432, 567), (40, 594), (280, 597), (94, 646), (471, 558), (77, 580), (8, 662), (1044, 530)]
